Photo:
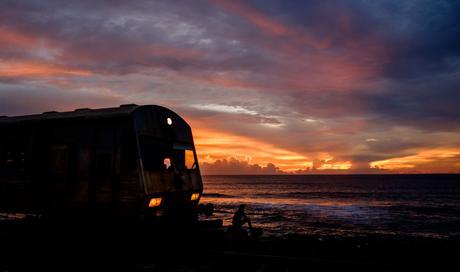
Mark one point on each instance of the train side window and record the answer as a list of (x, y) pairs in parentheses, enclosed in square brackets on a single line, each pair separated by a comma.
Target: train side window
[(7, 160), (128, 151), (104, 166), (13, 160), (84, 159), (59, 159)]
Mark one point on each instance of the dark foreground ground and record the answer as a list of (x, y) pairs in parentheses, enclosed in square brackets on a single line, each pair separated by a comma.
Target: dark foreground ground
[(105, 248)]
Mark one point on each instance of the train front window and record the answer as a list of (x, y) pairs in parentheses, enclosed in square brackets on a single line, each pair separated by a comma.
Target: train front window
[(190, 159), (157, 155), (184, 156)]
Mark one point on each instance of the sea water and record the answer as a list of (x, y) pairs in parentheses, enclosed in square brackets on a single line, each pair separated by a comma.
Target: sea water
[(341, 205)]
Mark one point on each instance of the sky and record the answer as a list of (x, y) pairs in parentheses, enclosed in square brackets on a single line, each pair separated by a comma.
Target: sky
[(268, 86)]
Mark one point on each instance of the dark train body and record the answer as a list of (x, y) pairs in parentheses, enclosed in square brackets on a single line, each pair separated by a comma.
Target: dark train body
[(131, 164)]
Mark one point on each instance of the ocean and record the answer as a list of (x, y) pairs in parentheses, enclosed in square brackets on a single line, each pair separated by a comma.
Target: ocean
[(341, 205)]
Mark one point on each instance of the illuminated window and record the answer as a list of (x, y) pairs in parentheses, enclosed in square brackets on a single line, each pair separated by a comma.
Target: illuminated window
[(189, 159)]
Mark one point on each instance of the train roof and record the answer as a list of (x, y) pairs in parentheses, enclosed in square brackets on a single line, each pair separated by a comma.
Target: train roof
[(83, 113)]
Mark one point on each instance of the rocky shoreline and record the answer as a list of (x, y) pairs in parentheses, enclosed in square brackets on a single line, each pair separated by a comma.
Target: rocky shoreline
[(185, 250)]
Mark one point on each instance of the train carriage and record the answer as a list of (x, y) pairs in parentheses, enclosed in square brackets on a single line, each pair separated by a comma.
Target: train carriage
[(131, 164)]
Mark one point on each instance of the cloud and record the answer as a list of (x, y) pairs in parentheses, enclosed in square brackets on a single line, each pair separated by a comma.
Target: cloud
[(233, 166), (293, 83), (33, 99), (12, 70), (225, 109), (442, 160), (269, 25)]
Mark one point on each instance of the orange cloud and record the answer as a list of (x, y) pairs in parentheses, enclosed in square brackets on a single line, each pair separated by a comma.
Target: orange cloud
[(147, 54), (430, 160), (223, 150), (35, 69), (233, 166), (9, 37), (213, 145), (335, 165)]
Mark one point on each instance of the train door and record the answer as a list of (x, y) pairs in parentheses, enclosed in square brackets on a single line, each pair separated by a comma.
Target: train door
[(103, 176), (62, 175), (55, 169), (128, 188), (14, 175)]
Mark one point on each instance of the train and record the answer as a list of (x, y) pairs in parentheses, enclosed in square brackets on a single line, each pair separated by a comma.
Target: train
[(130, 164)]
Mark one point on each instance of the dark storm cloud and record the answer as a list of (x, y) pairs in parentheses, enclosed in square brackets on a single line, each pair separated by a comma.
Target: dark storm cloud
[(428, 103), (429, 43)]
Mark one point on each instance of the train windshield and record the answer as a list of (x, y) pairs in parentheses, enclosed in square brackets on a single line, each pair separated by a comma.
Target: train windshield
[(184, 156), (181, 157), (157, 155)]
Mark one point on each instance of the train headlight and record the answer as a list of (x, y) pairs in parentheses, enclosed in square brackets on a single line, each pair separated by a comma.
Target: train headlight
[(155, 202), (169, 121), (195, 196)]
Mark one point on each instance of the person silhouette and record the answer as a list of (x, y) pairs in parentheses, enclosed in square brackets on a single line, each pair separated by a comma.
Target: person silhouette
[(239, 219)]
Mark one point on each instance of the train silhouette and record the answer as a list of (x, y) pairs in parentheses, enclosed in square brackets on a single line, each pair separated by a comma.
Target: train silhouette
[(129, 164)]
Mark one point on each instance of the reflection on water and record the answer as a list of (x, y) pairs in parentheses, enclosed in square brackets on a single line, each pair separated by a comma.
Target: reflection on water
[(342, 205)]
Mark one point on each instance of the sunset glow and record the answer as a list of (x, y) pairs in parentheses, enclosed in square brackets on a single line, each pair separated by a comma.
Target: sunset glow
[(432, 159), (37, 70), (215, 146), (268, 87)]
